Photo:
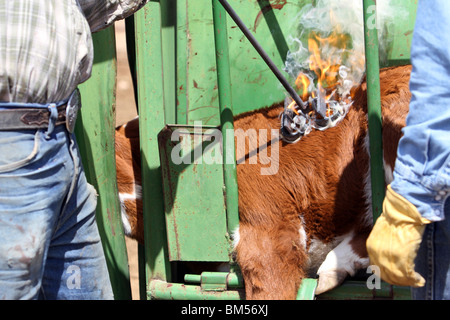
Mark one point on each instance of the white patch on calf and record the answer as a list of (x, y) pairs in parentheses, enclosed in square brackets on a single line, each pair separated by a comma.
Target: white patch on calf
[(125, 223), (136, 194), (340, 262), (388, 173), (235, 237)]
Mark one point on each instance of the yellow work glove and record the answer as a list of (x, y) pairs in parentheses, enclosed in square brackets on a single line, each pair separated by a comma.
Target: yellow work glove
[(395, 239)]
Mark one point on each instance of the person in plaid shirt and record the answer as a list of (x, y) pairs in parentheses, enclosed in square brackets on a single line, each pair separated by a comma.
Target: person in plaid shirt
[(49, 243)]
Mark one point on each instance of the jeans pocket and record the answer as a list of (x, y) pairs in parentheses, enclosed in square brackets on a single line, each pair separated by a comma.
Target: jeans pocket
[(17, 149)]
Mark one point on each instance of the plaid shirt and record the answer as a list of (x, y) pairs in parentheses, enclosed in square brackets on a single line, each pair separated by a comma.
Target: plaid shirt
[(46, 46)]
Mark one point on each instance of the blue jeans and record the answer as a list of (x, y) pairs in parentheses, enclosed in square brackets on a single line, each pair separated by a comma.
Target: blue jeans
[(50, 247), (433, 260)]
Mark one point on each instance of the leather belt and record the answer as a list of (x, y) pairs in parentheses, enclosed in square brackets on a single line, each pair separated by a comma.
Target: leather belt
[(25, 118)]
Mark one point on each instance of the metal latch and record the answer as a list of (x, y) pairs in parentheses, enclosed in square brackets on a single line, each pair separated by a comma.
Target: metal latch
[(215, 281)]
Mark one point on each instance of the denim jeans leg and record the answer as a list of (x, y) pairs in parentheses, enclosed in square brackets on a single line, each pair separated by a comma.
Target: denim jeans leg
[(433, 260), (424, 265), (34, 175), (76, 266), (49, 242), (442, 256)]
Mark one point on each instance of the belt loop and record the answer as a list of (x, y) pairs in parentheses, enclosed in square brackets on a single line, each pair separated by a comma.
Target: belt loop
[(52, 120)]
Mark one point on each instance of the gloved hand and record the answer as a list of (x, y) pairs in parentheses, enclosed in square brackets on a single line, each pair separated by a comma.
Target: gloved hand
[(395, 239)]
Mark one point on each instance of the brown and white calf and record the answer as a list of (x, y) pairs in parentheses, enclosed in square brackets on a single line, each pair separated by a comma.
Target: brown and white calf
[(314, 214)]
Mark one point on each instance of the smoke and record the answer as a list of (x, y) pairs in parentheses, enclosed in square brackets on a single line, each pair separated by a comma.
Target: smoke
[(327, 59), (344, 19)]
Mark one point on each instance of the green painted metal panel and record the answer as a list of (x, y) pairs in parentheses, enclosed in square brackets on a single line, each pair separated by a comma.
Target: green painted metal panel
[(161, 290), (226, 115), (307, 289), (151, 120), (197, 96), (95, 136), (253, 84), (168, 44), (358, 290), (193, 194), (226, 279), (401, 33), (374, 112)]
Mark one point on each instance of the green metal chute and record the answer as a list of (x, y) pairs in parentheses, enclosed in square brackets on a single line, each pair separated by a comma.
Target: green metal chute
[(184, 74)]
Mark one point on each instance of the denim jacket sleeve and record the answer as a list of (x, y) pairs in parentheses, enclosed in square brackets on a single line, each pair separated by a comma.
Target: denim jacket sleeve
[(422, 169), (102, 13)]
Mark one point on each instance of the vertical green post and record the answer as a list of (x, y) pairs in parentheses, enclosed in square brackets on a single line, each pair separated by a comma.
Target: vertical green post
[(151, 121), (95, 136), (168, 20), (374, 106), (226, 114)]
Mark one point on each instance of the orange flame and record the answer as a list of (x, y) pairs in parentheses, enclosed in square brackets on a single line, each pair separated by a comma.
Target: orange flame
[(327, 54), (291, 106), (302, 82), (327, 68)]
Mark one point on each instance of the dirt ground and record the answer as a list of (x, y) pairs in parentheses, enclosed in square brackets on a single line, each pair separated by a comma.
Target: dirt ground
[(125, 111)]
